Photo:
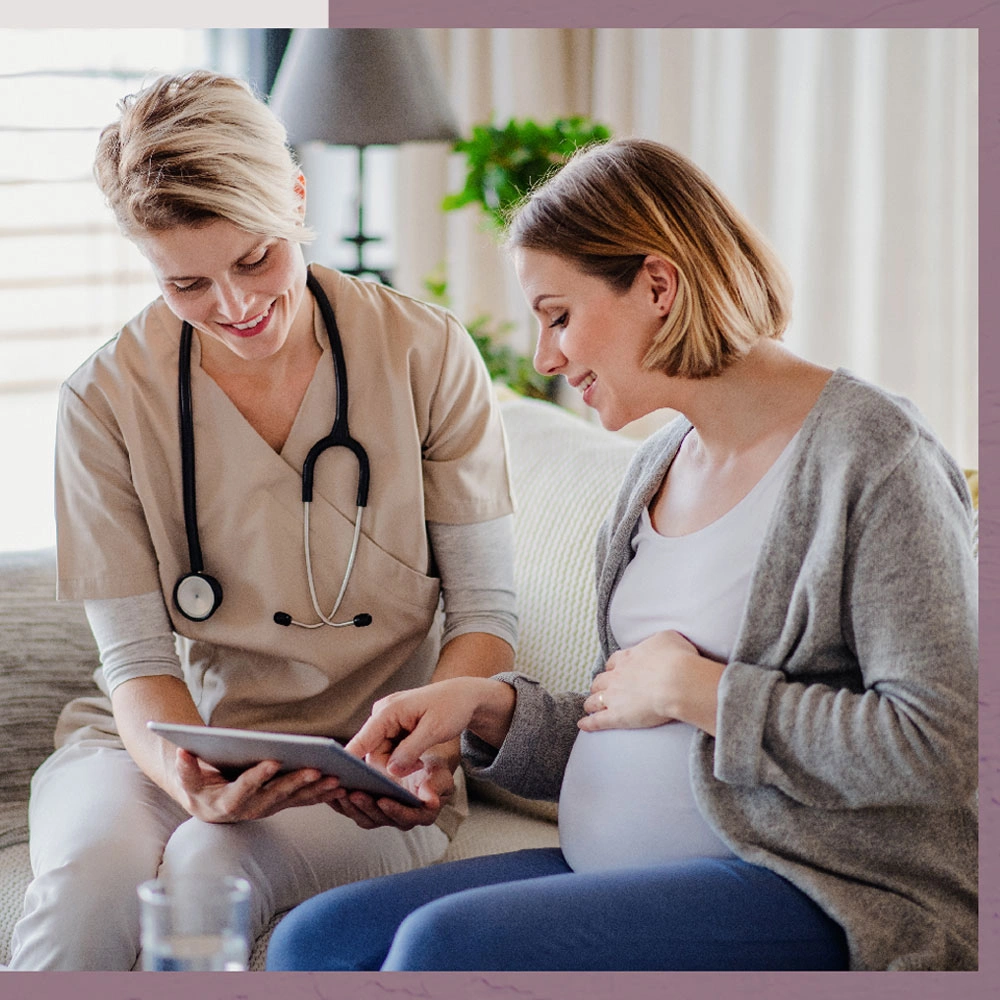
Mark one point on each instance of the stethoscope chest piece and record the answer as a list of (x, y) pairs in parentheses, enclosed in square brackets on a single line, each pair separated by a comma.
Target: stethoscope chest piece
[(197, 596)]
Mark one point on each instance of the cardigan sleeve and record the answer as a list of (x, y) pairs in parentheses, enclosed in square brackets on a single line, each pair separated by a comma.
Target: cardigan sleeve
[(897, 724), (533, 757)]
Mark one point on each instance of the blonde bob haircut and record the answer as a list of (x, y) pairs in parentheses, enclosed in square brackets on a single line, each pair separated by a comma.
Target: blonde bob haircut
[(188, 150), (614, 204)]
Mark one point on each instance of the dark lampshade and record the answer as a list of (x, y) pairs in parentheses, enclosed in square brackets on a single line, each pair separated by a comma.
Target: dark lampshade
[(360, 87)]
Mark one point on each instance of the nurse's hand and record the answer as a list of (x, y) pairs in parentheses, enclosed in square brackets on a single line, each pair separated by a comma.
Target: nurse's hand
[(258, 792), (433, 782), (661, 679)]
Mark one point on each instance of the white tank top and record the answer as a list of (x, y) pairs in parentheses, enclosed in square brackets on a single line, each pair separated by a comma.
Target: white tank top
[(626, 796)]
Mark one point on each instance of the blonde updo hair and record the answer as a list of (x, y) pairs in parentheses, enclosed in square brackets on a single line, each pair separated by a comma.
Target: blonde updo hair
[(614, 204), (190, 149)]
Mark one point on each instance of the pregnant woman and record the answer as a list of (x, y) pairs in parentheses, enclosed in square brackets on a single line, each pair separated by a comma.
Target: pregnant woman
[(775, 764)]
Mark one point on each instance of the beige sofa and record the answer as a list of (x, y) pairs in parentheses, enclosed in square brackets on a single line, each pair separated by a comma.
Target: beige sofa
[(565, 473)]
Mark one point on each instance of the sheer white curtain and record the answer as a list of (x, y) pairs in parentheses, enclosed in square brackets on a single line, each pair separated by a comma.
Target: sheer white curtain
[(853, 150), (68, 278)]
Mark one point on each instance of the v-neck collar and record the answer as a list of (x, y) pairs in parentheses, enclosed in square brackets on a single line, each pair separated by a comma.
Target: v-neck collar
[(322, 384)]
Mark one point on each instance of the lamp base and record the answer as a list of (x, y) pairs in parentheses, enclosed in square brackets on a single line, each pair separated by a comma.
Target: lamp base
[(368, 274), (359, 239)]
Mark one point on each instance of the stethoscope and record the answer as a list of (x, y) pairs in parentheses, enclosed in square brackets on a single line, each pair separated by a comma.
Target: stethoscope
[(197, 594)]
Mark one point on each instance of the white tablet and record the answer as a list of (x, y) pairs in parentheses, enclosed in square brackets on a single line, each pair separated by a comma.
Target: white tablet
[(234, 750)]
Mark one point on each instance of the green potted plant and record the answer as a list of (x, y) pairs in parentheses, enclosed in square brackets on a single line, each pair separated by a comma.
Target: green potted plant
[(503, 163), (502, 362)]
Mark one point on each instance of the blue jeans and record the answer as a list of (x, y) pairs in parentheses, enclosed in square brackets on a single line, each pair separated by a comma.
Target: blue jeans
[(528, 911)]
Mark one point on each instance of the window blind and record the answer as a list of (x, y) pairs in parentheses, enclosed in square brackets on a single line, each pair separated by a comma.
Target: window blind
[(68, 279)]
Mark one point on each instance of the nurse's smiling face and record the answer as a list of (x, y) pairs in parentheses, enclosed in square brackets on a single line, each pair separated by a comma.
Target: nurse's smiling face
[(242, 290)]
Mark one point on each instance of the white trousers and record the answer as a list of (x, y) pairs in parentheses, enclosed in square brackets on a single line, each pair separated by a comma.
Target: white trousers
[(99, 827)]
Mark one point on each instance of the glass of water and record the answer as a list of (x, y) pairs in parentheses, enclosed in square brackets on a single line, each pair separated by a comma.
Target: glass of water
[(195, 923)]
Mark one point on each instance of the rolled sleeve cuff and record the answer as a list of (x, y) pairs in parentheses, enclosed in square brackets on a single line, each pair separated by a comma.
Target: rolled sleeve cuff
[(744, 697), (533, 756)]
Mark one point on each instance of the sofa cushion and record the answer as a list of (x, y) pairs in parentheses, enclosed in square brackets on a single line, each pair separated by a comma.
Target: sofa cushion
[(47, 657), (565, 473)]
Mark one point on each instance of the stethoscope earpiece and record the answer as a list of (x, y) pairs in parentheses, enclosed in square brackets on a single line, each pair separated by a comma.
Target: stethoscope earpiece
[(196, 594)]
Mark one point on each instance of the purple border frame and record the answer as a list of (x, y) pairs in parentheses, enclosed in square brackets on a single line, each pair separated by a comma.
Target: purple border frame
[(685, 986)]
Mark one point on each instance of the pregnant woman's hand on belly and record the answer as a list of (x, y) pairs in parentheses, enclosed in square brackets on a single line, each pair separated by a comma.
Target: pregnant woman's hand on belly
[(661, 679)]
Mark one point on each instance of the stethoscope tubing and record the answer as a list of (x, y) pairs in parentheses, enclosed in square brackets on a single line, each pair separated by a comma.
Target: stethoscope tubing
[(186, 419), (328, 619), (203, 607), (340, 435)]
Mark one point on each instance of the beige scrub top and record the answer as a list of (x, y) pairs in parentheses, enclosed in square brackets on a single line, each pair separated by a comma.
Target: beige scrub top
[(420, 403)]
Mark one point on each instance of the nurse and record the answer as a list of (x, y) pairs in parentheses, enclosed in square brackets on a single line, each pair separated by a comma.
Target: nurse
[(775, 765), (199, 176)]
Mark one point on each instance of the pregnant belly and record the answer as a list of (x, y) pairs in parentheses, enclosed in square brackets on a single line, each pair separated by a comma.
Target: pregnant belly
[(626, 801)]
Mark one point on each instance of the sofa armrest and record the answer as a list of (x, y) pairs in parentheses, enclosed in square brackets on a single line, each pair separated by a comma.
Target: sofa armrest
[(47, 658)]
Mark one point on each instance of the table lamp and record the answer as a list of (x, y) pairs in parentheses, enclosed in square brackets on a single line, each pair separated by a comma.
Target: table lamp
[(360, 87)]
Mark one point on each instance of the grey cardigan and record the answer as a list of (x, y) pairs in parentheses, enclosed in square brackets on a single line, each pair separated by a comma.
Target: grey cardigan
[(845, 757)]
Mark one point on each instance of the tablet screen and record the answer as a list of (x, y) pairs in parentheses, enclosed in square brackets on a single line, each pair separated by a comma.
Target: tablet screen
[(232, 751)]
